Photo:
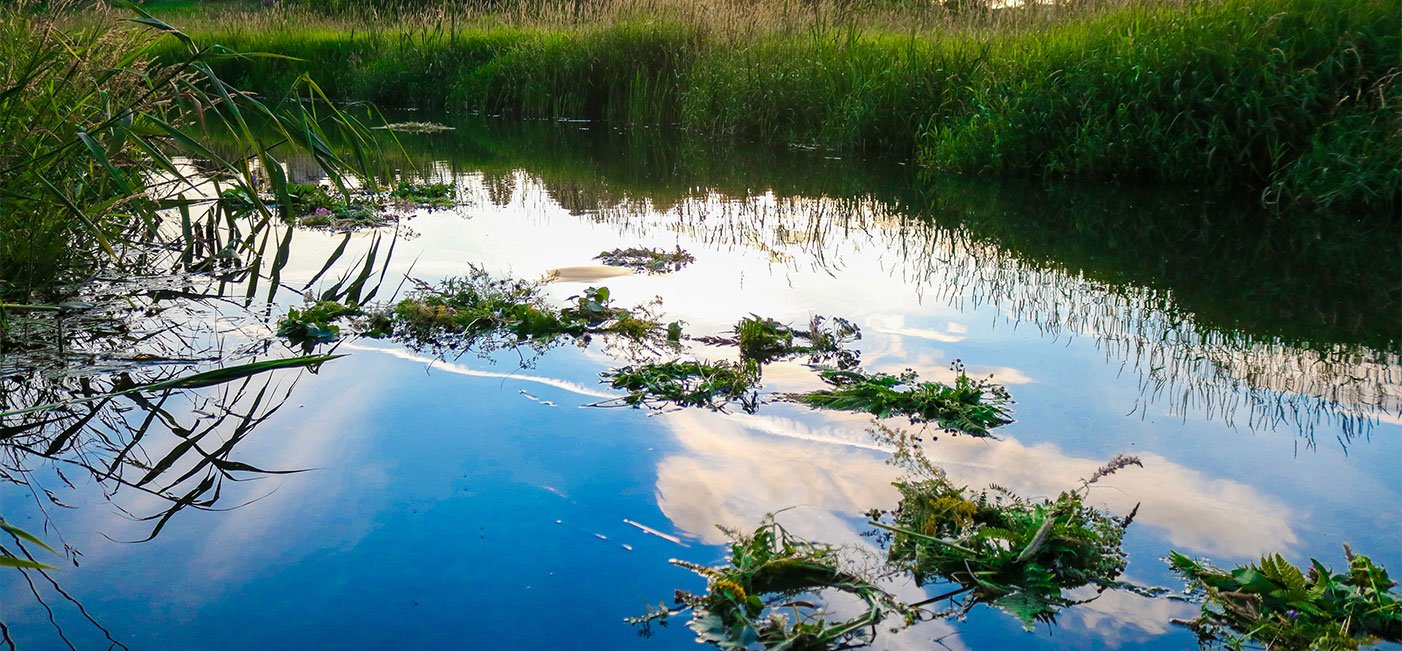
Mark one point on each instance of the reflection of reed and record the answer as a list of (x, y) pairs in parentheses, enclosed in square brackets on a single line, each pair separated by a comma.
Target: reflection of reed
[(1244, 379)]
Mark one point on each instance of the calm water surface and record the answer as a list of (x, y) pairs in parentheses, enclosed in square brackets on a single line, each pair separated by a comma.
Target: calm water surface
[(471, 502)]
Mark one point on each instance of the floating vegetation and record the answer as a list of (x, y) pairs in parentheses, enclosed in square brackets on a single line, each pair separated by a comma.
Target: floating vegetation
[(765, 340), (687, 384), (754, 600), (969, 406), (486, 313), (416, 127), (1015, 553), (314, 206), (653, 261), (316, 323), (426, 195), (1274, 603)]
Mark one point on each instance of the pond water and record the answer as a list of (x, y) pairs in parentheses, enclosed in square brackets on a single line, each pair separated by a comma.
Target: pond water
[(466, 501)]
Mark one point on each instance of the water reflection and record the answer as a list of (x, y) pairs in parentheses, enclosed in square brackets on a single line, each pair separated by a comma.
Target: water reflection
[(1218, 310), (928, 275)]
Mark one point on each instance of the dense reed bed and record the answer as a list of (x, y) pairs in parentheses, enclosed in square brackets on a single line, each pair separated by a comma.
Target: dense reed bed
[(1292, 100)]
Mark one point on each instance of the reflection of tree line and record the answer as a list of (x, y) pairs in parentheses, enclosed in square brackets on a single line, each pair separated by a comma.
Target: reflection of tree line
[(1220, 308), (1191, 364)]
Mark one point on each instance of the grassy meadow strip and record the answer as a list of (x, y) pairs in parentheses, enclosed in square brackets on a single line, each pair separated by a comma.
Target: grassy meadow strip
[(1294, 99)]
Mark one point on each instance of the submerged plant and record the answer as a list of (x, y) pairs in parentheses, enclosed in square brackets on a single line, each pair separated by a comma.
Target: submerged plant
[(1274, 603), (688, 384), (754, 600), (969, 406), (1015, 553), (653, 261)]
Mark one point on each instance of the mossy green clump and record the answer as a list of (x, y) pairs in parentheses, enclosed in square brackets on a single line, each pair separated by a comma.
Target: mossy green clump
[(426, 195), (416, 127), (314, 206), (652, 261), (688, 384), (970, 406), (485, 313), (317, 323), (753, 601), (765, 340), (1273, 603)]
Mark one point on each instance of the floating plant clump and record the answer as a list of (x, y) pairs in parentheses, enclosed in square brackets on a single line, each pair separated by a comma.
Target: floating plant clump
[(316, 323), (765, 340), (1017, 554), (687, 384), (755, 599), (1273, 603), (485, 313), (969, 406), (416, 127), (425, 195), (652, 261)]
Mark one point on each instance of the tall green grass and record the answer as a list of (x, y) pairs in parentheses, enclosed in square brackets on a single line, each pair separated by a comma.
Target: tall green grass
[(1295, 101), (92, 132)]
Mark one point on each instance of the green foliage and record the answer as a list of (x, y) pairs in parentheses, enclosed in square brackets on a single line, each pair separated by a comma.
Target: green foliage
[(1296, 98), (484, 313), (90, 128), (969, 406), (315, 324), (652, 261), (21, 537), (1274, 603), (1015, 553), (688, 384), (1293, 100), (764, 340), (753, 601), (314, 205), (426, 195), (416, 127)]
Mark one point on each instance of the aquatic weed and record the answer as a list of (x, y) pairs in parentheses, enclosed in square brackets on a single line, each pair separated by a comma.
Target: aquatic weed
[(486, 313), (652, 261), (1015, 553), (765, 340), (687, 384), (416, 127), (426, 195), (753, 600), (969, 406), (1274, 603)]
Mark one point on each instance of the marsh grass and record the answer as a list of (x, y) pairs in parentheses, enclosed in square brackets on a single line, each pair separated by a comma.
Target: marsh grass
[(1295, 101), (1274, 603), (969, 406)]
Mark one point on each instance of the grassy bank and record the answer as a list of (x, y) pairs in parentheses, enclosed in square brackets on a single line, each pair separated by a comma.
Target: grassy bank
[(1294, 100)]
